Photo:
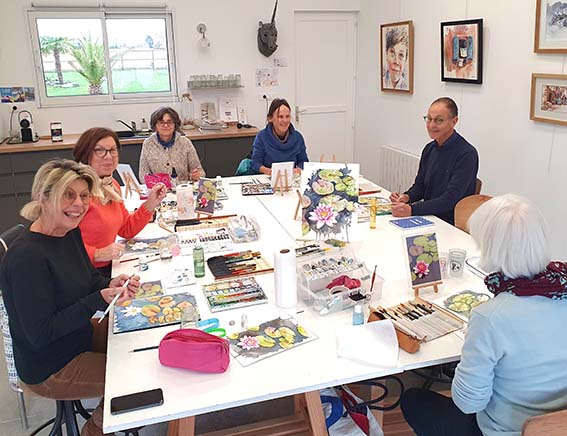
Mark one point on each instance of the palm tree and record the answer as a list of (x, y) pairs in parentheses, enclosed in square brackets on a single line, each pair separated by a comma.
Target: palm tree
[(55, 45), (90, 62)]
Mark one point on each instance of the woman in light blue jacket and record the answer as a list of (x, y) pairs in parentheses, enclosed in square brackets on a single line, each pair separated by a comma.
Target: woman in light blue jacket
[(514, 358)]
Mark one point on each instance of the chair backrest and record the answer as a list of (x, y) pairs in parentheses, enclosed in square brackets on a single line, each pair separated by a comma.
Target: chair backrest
[(6, 240), (465, 208), (550, 424), (8, 237), (478, 186)]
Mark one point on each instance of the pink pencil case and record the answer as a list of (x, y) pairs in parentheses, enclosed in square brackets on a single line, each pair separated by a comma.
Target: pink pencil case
[(194, 349), (153, 179)]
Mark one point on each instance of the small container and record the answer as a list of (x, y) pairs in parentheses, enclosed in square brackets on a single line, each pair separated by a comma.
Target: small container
[(457, 257), (144, 124), (218, 181), (189, 317), (357, 315), (173, 178), (199, 261), (143, 263), (165, 250), (373, 208), (174, 244)]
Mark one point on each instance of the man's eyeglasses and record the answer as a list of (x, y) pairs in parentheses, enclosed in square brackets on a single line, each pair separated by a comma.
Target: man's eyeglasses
[(436, 121), (71, 197), (165, 123), (102, 152)]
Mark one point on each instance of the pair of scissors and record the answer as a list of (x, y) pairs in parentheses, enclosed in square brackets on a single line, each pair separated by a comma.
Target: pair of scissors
[(212, 326)]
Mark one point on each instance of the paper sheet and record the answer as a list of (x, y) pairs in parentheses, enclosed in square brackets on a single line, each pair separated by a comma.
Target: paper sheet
[(374, 343)]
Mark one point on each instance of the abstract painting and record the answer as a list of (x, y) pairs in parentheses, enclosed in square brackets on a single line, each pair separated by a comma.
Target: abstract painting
[(549, 98), (551, 27), (330, 195), (461, 51), (396, 61)]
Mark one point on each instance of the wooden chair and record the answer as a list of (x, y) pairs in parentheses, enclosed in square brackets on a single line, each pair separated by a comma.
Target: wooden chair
[(465, 208), (478, 186), (550, 424)]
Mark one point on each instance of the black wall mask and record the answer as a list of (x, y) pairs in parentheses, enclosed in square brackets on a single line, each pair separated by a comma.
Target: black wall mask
[(268, 35)]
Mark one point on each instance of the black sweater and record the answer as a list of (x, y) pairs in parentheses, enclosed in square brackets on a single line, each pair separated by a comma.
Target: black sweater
[(51, 290), (446, 175)]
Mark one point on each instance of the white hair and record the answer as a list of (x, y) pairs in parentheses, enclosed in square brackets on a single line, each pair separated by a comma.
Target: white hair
[(512, 236)]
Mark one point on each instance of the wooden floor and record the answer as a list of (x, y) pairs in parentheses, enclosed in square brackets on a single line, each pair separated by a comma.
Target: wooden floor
[(395, 424)]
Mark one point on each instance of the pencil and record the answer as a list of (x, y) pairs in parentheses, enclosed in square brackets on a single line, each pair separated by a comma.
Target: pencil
[(373, 278)]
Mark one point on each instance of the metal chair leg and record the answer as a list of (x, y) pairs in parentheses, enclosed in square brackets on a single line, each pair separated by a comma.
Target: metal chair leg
[(22, 409), (81, 410), (70, 419), (60, 415)]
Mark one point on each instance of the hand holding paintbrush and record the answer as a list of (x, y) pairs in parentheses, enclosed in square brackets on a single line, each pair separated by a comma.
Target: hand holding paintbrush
[(120, 286)]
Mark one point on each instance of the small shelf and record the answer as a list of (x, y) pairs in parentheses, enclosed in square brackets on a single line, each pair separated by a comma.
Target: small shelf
[(194, 87)]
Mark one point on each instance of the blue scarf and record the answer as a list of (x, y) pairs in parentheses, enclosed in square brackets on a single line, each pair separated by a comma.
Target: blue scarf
[(168, 143)]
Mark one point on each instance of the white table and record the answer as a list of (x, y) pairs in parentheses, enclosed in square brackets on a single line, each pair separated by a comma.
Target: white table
[(304, 369)]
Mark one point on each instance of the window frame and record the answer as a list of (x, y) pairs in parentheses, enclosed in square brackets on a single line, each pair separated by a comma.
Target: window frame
[(102, 14)]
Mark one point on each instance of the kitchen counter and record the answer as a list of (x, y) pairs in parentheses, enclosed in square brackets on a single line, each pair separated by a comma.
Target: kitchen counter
[(70, 139), (220, 152)]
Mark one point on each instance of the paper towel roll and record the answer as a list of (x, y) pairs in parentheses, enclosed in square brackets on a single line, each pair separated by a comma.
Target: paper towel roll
[(285, 278), (185, 202)]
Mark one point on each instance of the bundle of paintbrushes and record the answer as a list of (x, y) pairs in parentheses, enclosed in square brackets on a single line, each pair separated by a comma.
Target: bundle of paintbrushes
[(238, 264), (310, 249), (202, 223), (421, 319)]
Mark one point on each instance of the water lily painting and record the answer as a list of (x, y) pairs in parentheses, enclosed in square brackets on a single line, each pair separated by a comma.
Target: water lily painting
[(423, 256), (206, 196), (330, 194)]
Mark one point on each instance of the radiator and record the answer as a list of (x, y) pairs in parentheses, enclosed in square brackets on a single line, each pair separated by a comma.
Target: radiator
[(396, 168)]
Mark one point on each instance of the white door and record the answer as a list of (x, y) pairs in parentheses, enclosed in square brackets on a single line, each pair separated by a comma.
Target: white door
[(325, 59)]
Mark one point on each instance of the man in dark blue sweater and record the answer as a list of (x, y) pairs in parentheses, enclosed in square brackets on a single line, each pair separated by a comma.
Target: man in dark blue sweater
[(447, 168)]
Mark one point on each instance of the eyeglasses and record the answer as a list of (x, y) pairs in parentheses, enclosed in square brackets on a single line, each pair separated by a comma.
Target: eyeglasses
[(71, 197), (165, 123), (102, 152), (436, 121)]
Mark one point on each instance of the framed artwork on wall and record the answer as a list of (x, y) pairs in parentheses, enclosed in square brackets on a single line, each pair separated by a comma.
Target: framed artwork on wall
[(396, 59), (461, 51), (549, 98), (551, 26)]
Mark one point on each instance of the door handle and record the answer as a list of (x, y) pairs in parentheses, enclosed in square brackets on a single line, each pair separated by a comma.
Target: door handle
[(297, 112)]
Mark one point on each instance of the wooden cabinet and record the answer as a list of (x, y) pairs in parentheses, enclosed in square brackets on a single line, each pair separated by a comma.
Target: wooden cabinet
[(219, 156)]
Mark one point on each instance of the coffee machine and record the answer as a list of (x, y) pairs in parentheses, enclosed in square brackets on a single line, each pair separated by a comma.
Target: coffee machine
[(25, 119)]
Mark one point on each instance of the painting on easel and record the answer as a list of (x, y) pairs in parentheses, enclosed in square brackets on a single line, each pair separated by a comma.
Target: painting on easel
[(282, 176), (206, 196), (423, 261), (329, 197), (129, 179)]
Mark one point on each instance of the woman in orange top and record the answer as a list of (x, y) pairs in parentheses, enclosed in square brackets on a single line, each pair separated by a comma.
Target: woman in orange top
[(107, 217)]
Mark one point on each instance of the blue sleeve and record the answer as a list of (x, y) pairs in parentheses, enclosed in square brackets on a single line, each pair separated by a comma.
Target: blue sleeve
[(258, 153), (417, 190), (472, 386), (463, 174), (302, 154)]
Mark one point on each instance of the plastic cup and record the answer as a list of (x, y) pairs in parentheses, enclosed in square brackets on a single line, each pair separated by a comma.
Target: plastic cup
[(189, 317), (457, 257)]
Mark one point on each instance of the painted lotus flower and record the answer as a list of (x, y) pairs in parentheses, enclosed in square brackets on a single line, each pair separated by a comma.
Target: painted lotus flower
[(248, 342), (421, 269), (203, 202), (324, 214)]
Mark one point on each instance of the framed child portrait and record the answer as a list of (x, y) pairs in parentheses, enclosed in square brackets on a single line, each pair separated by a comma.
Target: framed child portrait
[(396, 61)]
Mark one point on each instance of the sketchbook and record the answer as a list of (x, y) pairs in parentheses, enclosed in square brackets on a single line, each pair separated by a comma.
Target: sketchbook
[(412, 222), (268, 339), (149, 312)]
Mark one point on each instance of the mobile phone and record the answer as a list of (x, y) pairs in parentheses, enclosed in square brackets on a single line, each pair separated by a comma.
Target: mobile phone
[(136, 401)]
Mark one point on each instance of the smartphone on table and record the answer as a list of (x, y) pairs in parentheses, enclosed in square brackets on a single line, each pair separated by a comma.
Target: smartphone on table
[(136, 401)]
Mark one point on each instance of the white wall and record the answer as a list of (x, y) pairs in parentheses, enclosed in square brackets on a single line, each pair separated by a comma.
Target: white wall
[(516, 154), (231, 27)]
